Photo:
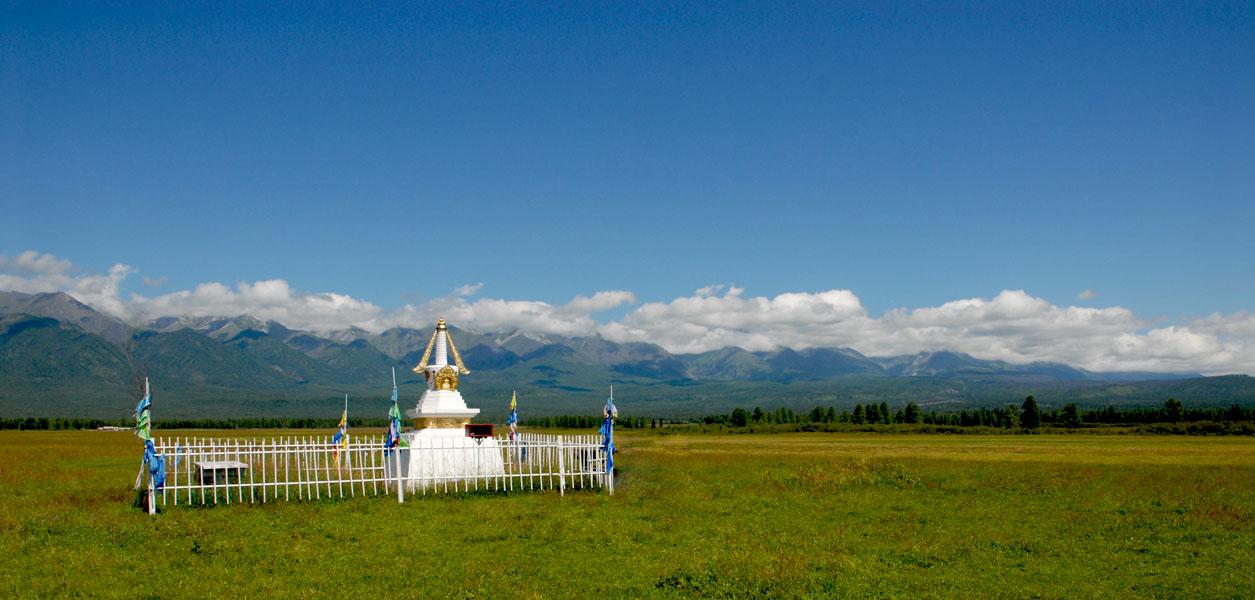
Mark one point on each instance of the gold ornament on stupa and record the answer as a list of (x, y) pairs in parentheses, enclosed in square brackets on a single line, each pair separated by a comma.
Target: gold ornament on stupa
[(445, 378)]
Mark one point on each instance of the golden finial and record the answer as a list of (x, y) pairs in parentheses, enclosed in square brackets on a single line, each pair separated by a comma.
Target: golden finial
[(457, 359), (422, 364)]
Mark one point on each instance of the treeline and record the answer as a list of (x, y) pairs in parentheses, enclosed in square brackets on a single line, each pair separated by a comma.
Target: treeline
[(1173, 417), (1028, 416), (44, 423), (32, 423), (590, 421)]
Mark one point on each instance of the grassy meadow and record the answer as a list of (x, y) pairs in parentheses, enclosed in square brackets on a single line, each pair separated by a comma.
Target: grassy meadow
[(807, 515)]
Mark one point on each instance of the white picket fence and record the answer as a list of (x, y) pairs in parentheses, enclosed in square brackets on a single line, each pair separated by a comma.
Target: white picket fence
[(210, 471)]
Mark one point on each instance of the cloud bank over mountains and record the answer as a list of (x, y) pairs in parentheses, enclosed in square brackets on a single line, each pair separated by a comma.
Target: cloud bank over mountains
[(1013, 326)]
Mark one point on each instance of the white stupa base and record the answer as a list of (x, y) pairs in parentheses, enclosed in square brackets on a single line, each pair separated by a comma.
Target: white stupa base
[(442, 402), (440, 457)]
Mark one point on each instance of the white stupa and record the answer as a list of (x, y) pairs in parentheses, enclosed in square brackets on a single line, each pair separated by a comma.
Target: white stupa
[(440, 450), (441, 411)]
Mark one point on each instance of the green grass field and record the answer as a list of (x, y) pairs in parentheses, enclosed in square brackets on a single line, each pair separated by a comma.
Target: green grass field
[(724, 516)]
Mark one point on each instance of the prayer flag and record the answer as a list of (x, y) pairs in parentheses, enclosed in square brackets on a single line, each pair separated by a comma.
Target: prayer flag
[(156, 465), (607, 442), (394, 424), (394, 438), (143, 429), (514, 415), (341, 438), (607, 431), (513, 422)]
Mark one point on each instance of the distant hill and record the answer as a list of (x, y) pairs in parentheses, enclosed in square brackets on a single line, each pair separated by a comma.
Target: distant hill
[(51, 368), (59, 357), (66, 309)]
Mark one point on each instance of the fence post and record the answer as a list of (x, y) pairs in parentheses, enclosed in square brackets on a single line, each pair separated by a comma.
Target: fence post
[(252, 451), (396, 453), (152, 493), (561, 465)]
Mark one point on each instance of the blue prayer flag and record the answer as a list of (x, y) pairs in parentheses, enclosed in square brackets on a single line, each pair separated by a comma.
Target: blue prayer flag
[(143, 415), (394, 425), (156, 465), (144, 403), (513, 421), (607, 430), (607, 442), (341, 439)]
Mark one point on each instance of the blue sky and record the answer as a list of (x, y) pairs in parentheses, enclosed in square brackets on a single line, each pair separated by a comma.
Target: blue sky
[(913, 155)]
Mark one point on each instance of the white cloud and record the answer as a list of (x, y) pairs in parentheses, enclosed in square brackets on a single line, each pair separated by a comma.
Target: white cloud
[(488, 314), (601, 301), (1013, 326), (1088, 294), (1239, 324), (706, 322), (267, 300), (31, 262), (155, 283), (469, 290), (33, 273)]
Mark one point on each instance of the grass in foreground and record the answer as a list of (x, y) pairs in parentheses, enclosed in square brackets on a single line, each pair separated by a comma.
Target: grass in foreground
[(790, 515)]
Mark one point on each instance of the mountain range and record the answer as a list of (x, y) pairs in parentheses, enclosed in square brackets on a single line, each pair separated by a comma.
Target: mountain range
[(59, 357)]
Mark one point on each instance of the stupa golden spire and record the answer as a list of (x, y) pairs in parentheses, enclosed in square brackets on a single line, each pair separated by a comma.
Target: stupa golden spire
[(438, 372)]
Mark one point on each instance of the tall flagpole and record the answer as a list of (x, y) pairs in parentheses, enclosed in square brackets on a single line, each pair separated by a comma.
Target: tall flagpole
[(152, 497), (139, 478), (148, 394)]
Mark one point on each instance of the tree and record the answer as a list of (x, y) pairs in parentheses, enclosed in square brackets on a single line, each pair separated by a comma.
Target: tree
[(859, 415), (1010, 417), (1172, 410), (1031, 415), (912, 413), (1071, 417), (759, 416), (817, 414), (739, 417), (885, 415)]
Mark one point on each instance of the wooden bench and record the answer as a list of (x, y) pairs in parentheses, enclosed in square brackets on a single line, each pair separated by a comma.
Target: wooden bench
[(219, 472)]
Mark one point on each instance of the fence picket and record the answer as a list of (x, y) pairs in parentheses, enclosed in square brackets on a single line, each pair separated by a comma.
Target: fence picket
[(223, 448), (251, 497), (339, 470)]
